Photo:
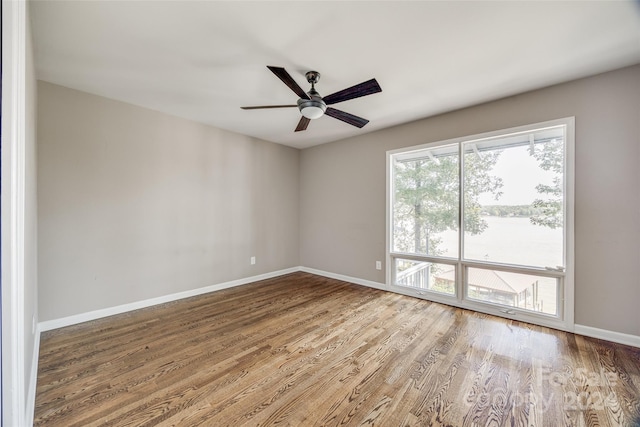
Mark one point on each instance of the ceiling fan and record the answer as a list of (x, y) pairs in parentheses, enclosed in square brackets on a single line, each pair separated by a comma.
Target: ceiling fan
[(313, 106)]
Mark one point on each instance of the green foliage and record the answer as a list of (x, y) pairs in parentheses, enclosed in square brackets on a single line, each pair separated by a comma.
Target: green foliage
[(523, 211), (550, 157), (427, 198), (478, 180)]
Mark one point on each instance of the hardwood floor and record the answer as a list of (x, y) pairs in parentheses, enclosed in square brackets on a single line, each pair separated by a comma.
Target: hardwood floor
[(306, 350)]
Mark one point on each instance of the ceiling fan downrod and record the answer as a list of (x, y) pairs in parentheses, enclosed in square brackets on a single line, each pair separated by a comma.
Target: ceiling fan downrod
[(314, 107)]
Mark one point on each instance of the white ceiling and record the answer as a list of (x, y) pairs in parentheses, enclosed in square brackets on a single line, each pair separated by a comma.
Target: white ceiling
[(203, 60)]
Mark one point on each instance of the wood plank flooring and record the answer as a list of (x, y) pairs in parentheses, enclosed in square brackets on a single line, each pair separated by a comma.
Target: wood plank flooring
[(303, 350)]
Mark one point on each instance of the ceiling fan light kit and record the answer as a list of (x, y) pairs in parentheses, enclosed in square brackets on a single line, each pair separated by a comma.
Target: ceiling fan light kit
[(312, 109), (313, 106)]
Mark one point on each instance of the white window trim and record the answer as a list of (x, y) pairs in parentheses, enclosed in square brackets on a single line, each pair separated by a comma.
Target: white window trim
[(566, 319)]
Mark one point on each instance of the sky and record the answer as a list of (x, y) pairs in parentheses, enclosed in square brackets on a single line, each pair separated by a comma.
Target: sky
[(520, 174)]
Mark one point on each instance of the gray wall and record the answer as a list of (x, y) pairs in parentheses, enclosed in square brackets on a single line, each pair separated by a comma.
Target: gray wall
[(135, 204), (342, 189)]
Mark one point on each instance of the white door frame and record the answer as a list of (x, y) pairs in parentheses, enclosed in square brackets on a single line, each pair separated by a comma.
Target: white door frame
[(13, 211)]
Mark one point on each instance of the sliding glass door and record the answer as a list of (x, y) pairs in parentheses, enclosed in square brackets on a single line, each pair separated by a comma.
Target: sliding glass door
[(485, 222)]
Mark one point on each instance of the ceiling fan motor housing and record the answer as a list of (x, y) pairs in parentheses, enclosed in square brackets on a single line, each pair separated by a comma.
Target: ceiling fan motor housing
[(312, 108)]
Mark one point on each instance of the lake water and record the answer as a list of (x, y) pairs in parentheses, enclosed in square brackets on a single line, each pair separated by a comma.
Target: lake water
[(509, 240)]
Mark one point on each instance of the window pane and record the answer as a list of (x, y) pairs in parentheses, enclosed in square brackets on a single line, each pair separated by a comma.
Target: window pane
[(425, 201), (524, 291), (426, 275), (513, 199)]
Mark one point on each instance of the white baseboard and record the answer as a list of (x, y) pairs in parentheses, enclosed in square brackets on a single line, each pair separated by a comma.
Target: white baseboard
[(603, 334), (350, 279), (105, 312)]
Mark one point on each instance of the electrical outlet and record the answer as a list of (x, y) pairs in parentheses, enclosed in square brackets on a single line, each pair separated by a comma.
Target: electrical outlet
[(378, 265), (253, 260)]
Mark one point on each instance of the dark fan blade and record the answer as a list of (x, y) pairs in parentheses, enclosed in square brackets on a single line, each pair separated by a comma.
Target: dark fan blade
[(302, 124), (362, 89), (288, 80), (346, 117), (267, 106)]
